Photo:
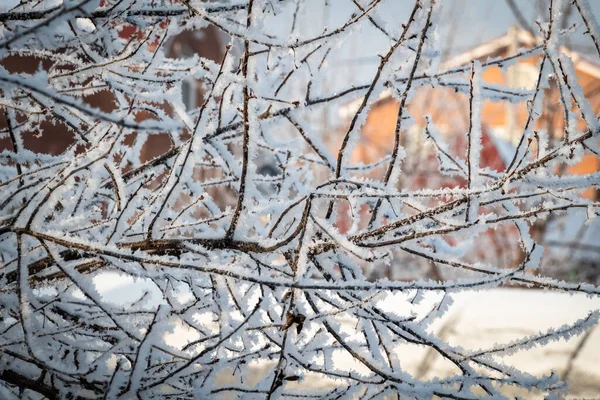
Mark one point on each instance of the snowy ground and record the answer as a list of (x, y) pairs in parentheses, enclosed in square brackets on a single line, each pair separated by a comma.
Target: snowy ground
[(475, 320)]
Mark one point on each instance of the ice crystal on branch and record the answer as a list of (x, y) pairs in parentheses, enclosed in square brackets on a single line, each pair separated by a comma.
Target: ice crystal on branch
[(220, 185)]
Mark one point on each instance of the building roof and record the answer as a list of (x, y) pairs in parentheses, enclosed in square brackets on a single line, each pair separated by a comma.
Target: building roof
[(515, 35), (521, 38)]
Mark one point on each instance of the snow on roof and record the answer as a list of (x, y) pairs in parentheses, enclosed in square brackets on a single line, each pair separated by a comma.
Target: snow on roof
[(505, 148), (522, 38)]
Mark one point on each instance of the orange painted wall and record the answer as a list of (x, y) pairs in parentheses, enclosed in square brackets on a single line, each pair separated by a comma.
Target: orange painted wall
[(449, 113)]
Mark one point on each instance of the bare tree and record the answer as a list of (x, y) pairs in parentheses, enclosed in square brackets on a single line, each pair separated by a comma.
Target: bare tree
[(237, 223)]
